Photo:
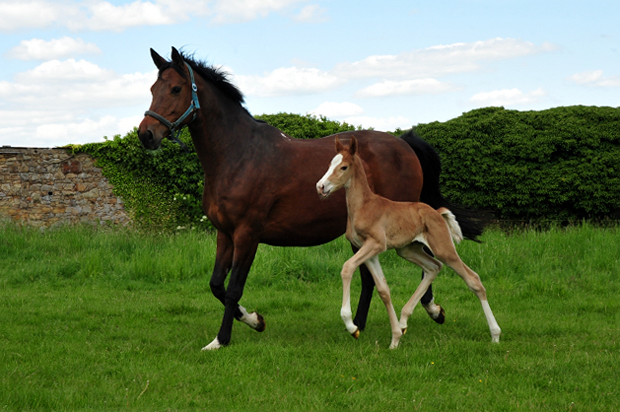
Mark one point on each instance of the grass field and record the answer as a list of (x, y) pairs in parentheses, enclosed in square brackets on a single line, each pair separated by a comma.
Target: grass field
[(113, 319)]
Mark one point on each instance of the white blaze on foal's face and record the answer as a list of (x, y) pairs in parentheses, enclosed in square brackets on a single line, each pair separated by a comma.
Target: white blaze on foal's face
[(324, 187)]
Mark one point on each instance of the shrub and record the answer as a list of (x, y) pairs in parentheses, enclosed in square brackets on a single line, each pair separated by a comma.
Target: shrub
[(557, 164)]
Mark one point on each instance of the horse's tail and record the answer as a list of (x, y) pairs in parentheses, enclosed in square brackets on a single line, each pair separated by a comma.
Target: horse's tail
[(472, 221), (453, 225)]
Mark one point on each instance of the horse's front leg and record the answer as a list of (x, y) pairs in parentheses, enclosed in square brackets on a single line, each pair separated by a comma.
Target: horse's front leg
[(244, 251), (223, 263)]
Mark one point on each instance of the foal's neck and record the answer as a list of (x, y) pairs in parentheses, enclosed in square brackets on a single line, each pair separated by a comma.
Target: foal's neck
[(357, 189)]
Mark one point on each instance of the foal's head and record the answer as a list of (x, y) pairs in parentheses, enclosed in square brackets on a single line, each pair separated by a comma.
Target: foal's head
[(340, 169)]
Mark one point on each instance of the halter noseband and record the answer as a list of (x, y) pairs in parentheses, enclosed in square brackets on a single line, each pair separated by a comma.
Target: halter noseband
[(177, 126)]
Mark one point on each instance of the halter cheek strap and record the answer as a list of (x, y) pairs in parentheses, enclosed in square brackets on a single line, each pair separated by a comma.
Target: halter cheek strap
[(176, 127)]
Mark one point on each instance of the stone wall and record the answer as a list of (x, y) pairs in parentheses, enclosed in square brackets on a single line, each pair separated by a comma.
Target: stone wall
[(48, 187)]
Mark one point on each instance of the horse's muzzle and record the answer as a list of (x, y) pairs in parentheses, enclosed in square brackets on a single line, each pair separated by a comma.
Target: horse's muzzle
[(147, 137)]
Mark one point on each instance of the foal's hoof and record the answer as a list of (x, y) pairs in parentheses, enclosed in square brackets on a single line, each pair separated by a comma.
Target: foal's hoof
[(260, 326), (440, 317), (356, 334), (404, 330)]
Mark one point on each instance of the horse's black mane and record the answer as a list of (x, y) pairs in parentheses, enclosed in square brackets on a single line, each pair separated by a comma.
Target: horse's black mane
[(215, 75)]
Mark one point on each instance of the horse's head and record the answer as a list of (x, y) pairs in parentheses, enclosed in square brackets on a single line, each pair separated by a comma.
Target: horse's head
[(173, 92), (340, 169)]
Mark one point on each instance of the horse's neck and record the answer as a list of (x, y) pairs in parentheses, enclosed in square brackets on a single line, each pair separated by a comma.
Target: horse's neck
[(220, 135), (358, 190)]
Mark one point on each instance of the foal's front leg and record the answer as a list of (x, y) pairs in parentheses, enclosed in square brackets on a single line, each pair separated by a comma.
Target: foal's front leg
[(366, 252)]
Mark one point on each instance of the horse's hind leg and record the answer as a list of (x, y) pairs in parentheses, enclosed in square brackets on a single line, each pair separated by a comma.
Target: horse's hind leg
[(414, 253), (384, 292)]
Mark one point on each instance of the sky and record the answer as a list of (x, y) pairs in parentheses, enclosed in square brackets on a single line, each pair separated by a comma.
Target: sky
[(78, 71)]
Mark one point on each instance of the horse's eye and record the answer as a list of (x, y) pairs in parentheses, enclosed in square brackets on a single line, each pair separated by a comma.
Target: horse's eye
[(343, 168), (176, 90)]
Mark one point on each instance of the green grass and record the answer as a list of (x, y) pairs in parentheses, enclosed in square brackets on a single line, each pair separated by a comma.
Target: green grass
[(114, 319)]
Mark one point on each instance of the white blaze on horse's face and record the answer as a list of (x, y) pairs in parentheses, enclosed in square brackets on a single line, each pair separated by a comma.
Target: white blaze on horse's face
[(329, 182)]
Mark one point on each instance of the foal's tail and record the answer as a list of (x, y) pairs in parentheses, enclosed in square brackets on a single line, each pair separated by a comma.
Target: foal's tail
[(453, 225), (473, 221)]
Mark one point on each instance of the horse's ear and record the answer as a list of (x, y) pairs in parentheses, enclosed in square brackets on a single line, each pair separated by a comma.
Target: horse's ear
[(177, 58), (157, 59), (339, 146), (353, 147)]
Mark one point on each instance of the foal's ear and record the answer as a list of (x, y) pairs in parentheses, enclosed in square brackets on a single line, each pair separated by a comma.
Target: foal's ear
[(157, 59), (353, 147), (339, 146)]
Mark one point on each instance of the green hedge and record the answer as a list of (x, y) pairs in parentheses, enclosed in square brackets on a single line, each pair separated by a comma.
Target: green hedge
[(557, 164)]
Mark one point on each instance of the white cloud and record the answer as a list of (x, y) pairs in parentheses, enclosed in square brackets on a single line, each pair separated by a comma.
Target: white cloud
[(595, 78), (337, 110), (37, 49), (440, 60), (97, 15), (69, 70), (100, 15), (18, 14), (312, 13), (74, 100), (507, 97), (406, 87), (236, 11), (287, 81)]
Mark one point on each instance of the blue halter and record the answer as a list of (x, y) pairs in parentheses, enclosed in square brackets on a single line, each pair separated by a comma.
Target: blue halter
[(177, 126)]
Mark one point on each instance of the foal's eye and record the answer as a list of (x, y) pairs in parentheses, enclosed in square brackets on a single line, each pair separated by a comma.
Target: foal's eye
[(343, 168), (176, 90)]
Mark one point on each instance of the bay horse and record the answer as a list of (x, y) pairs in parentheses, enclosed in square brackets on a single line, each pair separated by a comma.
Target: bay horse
[(376, 224), (247, 198)]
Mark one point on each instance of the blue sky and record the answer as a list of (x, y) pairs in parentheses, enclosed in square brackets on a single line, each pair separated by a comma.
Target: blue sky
[(74, 71)]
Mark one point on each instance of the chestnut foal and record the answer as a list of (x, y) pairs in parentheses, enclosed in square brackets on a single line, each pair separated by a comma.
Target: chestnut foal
[(376, 224)]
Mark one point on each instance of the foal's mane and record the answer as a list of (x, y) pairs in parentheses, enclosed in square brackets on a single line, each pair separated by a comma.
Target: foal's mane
[(212, 74)]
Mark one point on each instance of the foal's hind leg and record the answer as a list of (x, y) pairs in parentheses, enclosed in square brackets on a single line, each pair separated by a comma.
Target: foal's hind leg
[(414, 253), (384, 292), (471, 278)]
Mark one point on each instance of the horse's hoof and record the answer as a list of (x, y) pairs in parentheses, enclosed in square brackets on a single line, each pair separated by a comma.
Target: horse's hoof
[(404, 330), (260, 326), (356, 334), (215, 345), (441, 317)]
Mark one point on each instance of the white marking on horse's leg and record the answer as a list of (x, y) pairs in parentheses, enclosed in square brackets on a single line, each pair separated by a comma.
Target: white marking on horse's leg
[(213, 345), (433, 310), (383, 289), (493, 326), (253, 320)]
